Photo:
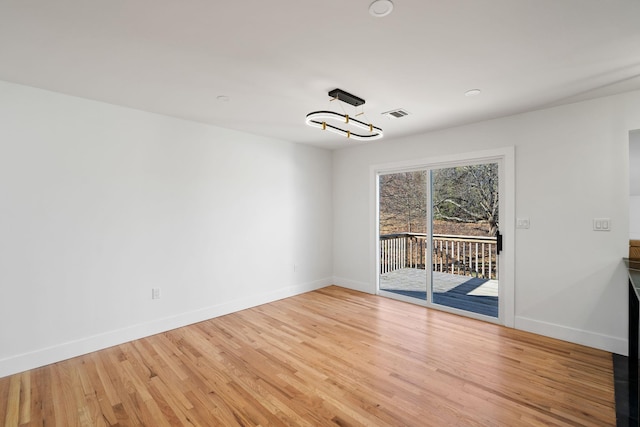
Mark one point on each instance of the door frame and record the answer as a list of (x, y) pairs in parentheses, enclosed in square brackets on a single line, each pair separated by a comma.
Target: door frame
[(505, 156)]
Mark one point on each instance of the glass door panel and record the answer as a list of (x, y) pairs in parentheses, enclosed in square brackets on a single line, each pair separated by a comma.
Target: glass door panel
[(464, 220), (402, 212)]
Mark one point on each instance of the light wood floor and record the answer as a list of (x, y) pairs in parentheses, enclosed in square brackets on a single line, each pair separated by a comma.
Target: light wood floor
[(329, 357)]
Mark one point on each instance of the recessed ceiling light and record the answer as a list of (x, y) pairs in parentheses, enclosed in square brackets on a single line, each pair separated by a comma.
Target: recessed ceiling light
[(380, 8), (223, 98), (472, 92)]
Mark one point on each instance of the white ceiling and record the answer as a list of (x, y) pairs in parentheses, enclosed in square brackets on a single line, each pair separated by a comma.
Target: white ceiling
[(276, 60)]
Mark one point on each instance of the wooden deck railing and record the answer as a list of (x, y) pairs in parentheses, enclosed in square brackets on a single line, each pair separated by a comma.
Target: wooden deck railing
[(464, 255)]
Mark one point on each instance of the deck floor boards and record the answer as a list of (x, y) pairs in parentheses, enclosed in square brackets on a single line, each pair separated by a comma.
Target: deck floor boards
[(467, 293)]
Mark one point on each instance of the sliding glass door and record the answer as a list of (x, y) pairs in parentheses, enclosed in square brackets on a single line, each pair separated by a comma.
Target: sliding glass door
[(439, 239)]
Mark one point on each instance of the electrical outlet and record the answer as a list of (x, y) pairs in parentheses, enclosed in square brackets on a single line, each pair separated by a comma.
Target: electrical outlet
[(155, 293), (523, 223)]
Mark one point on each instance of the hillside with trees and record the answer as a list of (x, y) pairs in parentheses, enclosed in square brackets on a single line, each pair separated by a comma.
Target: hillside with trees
[(465, 201)]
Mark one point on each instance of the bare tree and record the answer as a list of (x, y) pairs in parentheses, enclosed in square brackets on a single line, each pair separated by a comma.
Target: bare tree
[(402, 202), (467, 194)]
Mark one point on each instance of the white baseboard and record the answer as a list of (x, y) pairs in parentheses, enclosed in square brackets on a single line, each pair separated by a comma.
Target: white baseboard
[(46, 356), (591, 339), (354, 285)]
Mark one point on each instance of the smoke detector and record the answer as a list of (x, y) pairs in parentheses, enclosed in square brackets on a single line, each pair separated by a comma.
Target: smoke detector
[(380, 8), (396, 114)]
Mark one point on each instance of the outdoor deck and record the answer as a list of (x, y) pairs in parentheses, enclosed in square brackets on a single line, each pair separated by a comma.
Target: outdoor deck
[(452, 290)]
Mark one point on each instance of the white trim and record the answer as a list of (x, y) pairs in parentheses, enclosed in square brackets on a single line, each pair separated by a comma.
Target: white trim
[(444, 161), (505, 156), (508, 225), (374, 222), (45, 356), (578, 336), (354, 285)]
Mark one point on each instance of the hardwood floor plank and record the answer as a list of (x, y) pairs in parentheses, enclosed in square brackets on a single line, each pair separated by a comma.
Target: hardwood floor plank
[(25, 397), (12, 415), (332, 357), (43, 402)]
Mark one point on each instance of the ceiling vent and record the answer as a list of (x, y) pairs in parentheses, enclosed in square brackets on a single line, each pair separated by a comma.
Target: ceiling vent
[(397, 113)]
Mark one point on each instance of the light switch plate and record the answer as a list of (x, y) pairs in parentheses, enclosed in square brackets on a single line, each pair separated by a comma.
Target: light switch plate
[(601, 224)]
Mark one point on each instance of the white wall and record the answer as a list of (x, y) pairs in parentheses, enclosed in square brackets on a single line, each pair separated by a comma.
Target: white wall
[(571, 166), (634, 217), (634, 185), (99, 204)]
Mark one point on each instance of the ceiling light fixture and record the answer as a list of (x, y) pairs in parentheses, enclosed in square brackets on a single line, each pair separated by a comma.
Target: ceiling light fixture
[(380, 8), (472, 92), (319, 119)]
